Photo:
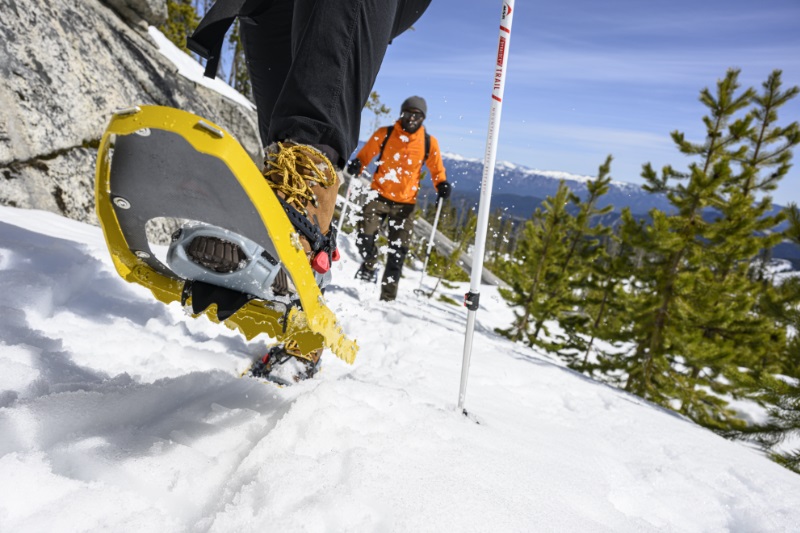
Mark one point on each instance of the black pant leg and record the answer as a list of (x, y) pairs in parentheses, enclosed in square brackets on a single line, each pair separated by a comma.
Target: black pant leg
[(394, 270), (373, 215), (337, 49), (267, 41), (400, 224), (408, 12)]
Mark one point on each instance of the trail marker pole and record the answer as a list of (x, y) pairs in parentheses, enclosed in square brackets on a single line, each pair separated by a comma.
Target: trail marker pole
[(471, 299)]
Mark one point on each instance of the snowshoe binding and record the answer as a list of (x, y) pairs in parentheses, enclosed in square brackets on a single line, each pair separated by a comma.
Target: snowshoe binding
[(283, 364)]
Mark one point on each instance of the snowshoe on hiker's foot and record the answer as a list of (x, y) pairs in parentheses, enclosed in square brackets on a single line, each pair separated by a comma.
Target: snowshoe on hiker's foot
[(306, 183), (285, 365), (238, 256), (365, 273)]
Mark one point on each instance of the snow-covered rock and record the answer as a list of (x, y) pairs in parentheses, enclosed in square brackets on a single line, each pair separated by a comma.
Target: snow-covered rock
[(64, 68), (147, 11)]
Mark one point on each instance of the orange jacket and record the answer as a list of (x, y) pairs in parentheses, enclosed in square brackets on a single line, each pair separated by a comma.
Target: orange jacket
[(397, 177)]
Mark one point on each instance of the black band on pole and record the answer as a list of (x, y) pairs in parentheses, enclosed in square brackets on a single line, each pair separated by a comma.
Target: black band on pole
[(472, 300)]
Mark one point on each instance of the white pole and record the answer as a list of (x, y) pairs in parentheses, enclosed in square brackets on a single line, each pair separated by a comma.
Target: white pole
[(439, 203), (471, 299), (346, 203)]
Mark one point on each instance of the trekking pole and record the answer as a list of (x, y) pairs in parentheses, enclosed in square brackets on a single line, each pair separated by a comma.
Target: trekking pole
[(471, 299), (439, 203), (345, 204)]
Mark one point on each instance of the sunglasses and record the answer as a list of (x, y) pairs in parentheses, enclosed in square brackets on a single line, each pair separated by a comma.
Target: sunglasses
[(414, 115)]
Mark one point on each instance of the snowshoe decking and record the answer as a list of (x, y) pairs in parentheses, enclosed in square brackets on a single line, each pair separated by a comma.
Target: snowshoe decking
[(163, 163)]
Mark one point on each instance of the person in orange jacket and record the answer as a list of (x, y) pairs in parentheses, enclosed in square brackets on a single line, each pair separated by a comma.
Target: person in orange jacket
[(401, 149)]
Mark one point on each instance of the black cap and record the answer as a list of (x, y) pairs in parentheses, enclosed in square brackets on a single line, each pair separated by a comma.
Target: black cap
[(416, 102)]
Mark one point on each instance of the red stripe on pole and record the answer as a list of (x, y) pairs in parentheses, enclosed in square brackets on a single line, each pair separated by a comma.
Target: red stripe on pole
[(496, 98), (505, 29)]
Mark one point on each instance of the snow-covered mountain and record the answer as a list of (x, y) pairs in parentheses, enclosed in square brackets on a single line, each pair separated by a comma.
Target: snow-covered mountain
[(521, 189), (120, 414)]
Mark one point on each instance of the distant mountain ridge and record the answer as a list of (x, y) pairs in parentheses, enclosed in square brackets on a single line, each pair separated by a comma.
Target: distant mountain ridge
[(520, 189)]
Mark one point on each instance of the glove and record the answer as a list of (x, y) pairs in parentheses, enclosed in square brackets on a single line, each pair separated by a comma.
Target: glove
[(444, 189), (354, 167)]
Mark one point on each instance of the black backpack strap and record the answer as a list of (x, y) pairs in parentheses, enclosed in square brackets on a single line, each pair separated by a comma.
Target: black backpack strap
[(385, 140), (427, 148)]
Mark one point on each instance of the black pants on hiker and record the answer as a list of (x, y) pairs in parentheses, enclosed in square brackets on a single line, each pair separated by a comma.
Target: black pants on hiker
[(313, 63), (398, 218)]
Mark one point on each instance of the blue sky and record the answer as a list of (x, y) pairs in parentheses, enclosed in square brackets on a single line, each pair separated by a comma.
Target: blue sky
[(587, 79)]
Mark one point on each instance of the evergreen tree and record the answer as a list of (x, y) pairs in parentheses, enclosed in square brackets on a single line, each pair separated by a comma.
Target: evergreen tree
[(699, 327), (501, 241), (792, 232), (463, 214), (738, 315), (448, 220), (182, 19), (765, 164), (536, 261), (585, 252), (765, 135), (668, 359), (563, 292), (605, 304), (784, 400), (782, 394), (788, 303), (494, 236), (512, 231)]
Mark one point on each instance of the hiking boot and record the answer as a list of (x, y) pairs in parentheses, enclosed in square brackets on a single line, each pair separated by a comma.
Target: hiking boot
[(366, 273), (305, 179), (285, 364)]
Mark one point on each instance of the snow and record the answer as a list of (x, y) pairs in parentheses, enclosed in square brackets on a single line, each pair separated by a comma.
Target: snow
[(191, 69), (118, 413)]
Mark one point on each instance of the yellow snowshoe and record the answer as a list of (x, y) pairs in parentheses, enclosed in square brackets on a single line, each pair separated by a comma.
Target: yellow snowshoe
[(233, 253)]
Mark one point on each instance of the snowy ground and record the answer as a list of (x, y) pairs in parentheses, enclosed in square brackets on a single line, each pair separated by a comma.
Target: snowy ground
[(120, 414)]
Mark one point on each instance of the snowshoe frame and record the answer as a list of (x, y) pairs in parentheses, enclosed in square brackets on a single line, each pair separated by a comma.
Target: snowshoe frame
[(312, 327)]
